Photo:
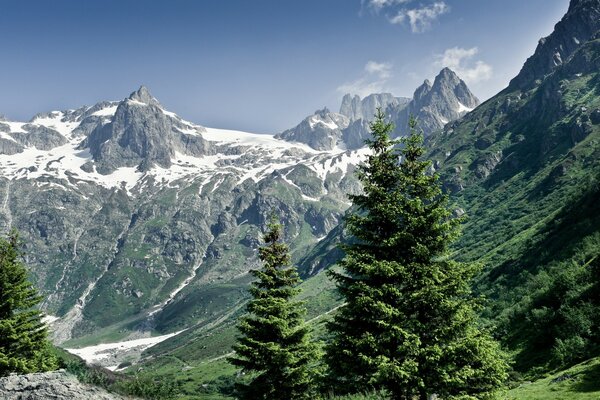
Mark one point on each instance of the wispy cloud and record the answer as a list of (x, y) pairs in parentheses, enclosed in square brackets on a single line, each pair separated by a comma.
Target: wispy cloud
[(373, 80), (462, 62), (378, 5), (420, 18)]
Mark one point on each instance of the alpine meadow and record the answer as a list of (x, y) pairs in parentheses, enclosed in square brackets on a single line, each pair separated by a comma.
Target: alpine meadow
[(418, 242)]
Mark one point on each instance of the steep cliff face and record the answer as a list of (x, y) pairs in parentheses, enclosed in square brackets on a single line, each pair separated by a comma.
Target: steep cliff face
[(579, 24), (434, 105), (356, 108)]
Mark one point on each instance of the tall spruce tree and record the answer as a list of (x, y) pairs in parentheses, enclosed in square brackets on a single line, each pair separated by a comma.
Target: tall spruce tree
[(408, 325), (23, 336), (274, 348)]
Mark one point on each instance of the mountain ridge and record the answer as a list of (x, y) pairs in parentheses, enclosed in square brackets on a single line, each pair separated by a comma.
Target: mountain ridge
[(434, 105)]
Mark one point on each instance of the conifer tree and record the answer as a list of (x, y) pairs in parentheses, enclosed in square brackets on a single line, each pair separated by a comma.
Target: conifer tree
[(23, 336), (408, 325), (274, 348)]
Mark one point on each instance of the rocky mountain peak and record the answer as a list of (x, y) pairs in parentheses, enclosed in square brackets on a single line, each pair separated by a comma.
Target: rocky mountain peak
[(578, 25), (448, 94), (142, 134), (321, 130), (322, 112), (435, 104), (143, 95), (447, 75), (422, 90), (356, 108)]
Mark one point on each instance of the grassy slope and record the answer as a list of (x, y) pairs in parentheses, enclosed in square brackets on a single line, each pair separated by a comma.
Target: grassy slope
[(536, 210), (580, 382), (196, 359)]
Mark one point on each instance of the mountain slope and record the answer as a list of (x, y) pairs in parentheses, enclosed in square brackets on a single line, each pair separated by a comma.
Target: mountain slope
[(127, 210), (525, 167)]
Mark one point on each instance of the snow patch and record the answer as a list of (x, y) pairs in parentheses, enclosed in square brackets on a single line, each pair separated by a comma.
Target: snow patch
[(314, 120), (463, 108), (55, 120), (108, 111), (105, 350)]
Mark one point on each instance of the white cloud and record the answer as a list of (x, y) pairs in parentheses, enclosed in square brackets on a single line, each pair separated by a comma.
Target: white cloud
[(374, 80), (383, 70), (378, 5), (461, 61), (420, 19)]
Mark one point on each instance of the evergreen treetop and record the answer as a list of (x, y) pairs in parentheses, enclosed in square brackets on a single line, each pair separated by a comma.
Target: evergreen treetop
[(274, 347), (23, 335)]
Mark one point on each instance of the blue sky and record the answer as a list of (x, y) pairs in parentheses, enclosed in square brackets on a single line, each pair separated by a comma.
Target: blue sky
[(259, 65)]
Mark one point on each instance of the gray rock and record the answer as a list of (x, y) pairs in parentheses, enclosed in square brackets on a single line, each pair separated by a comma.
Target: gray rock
[(10, 147), (356, 108), (141, 134), (434, 105), (356, 133), (58, 385), (321, 131), (40, 137), (579, 24)]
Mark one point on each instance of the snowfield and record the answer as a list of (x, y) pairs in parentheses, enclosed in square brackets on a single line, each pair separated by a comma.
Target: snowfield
[(93, 354), (260, 155)]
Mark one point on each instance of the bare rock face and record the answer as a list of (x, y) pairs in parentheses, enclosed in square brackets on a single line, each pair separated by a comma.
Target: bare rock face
[(141, 134), (579, 24), (356, 108), (434, 105), (58, 385), (321, 131)]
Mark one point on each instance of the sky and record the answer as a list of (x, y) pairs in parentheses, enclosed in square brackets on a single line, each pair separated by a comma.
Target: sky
[(259, 66)]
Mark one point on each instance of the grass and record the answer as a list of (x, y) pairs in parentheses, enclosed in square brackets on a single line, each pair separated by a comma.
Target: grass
[(581, 382)]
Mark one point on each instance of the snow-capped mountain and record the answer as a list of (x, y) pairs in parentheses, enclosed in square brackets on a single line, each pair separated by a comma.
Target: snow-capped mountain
[(135, 141), (130, 213), (126, 209)]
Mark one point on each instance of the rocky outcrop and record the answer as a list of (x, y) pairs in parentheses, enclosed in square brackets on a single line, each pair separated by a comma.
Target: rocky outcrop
[(434, 105), (40, 137), (579, 24), (142, 134), (321, 131), (356, 108), (58, 385)]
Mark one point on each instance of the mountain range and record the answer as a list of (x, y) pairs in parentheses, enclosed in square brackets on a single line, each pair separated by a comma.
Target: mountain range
[(127, 210), (433, 105), (139, 223)]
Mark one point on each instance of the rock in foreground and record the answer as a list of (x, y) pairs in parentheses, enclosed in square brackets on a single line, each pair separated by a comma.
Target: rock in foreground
[(58, 385)]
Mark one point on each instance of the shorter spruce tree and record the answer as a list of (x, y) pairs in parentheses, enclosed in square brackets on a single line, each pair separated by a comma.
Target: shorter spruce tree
[(24, 347), (274, 348)]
